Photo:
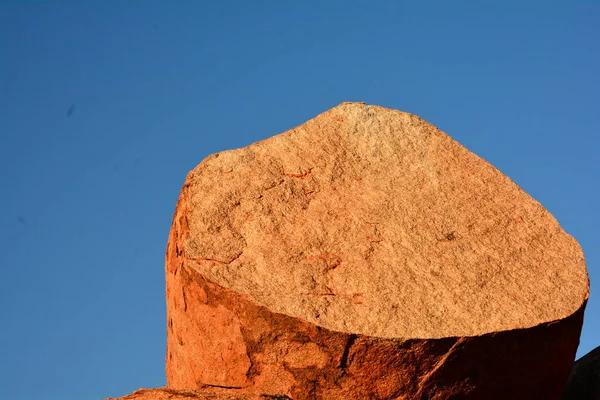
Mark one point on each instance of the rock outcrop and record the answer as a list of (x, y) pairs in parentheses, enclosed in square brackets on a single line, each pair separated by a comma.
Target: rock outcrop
[(584, 381), (170, 394), (366, 254)]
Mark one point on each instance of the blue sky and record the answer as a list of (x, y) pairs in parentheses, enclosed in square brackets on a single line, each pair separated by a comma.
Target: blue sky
[(106, 105)]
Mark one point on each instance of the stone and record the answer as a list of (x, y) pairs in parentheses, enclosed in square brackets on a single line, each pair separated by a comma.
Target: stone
[(169, 394), (367, 254), (584, 381)]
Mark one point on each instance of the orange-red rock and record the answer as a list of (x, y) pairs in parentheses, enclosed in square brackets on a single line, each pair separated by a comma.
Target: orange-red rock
[(366, 254), (169, 394)]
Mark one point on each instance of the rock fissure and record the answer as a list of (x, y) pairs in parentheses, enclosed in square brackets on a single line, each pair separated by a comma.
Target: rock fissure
[(344, 359), (439, 364)]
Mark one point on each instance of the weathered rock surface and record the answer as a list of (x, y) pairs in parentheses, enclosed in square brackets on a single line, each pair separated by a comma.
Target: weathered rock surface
[(584, 381), (169, 394), (366, 254)]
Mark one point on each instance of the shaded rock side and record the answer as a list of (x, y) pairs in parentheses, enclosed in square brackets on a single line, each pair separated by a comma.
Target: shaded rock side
[(584, 381), (366, 254)]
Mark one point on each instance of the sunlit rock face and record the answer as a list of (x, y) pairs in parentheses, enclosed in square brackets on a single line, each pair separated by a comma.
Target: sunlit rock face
[(366, 254)]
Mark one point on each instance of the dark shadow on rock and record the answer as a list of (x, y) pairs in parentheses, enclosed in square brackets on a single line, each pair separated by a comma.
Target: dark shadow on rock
[(584, 381)]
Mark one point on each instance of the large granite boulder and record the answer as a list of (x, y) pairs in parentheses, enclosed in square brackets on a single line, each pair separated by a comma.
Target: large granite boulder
[(367, 255)]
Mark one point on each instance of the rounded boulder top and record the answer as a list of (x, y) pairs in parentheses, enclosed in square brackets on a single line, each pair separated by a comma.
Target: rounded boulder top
[(372, 221)]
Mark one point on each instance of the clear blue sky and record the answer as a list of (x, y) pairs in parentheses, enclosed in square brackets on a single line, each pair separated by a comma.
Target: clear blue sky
[(106, 105)]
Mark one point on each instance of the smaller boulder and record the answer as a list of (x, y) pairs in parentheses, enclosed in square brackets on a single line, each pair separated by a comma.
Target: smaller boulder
[(207, 393), (584, 381)]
